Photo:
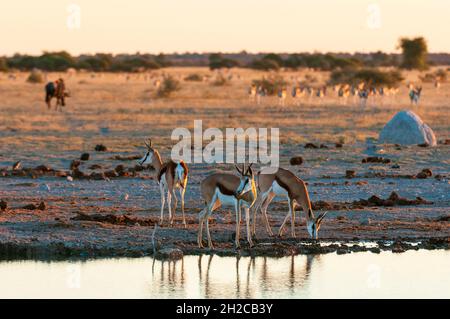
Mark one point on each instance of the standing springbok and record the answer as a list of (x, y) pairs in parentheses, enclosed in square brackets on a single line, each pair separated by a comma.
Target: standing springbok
[(284, 183), (225, 189), (414, 95), (170, 176), (282, 94)]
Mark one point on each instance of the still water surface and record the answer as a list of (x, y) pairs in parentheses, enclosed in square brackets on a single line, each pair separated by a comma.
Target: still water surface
[(413, 274)]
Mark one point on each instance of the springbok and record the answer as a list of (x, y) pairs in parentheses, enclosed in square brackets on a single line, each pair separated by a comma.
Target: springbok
[(252, 91), (170, 176), (284, 183), (282, 94), (225, 189), (414, 95)]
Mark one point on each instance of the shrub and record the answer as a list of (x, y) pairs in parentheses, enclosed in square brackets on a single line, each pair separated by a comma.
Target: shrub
[(414, 53), (367, 75), (217, 61), (219, 80), (35, 77), (168, 86), (271, 85), (194, 77), (3, 65)]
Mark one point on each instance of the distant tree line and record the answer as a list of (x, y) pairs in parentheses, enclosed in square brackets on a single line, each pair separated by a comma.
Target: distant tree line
[(414, 56), (62, 61)]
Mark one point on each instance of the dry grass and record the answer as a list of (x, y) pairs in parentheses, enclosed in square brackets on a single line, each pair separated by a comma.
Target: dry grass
[(126, 103)]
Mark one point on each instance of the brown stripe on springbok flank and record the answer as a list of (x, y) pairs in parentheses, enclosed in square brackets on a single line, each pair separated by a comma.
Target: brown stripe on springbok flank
[(224, 190), (167, 167), (283, 185)]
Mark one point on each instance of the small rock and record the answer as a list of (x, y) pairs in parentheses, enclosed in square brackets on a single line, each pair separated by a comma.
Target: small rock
[(425, 173), (119, 168), (395, 166), (76, 173), (74, 164), (311, 145), (41, 206), (3, 205), (323, 146), (296, 160), (423, 145), (100, 148), (376, 159), (339, 145), (350, 174), (84, 157)]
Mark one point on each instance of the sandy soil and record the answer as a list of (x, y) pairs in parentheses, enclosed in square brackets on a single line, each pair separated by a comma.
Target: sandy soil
[(120, 111)]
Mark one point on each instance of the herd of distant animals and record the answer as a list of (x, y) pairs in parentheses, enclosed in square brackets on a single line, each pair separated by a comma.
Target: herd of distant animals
[(246, 190), (342, 91)]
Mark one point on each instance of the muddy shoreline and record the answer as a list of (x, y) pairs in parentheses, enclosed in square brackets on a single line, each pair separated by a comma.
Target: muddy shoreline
[(273, 248)]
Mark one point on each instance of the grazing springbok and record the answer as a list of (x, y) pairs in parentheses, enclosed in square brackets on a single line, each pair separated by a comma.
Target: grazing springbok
[(284, 183), (437, 84), (252, 91), (282, 94), (225, 189), (414, 95), (170, 176), (298, 93)]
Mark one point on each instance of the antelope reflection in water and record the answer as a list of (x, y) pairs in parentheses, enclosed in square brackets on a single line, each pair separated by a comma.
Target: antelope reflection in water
[(240, 277)]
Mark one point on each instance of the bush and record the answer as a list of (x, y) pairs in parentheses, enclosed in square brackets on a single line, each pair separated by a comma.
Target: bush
[(366, 75), (168, 86), (217, 61), (271, 85), (194, 77), (414, 53), (35, 77), (3, 65), (219, 80)]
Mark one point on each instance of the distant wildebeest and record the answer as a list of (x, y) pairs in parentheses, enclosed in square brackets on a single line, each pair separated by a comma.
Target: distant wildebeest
[(56, 89)]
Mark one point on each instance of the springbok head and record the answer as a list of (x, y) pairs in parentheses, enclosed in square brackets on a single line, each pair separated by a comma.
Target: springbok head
[(148, 157), (247, 180), (313, 224)]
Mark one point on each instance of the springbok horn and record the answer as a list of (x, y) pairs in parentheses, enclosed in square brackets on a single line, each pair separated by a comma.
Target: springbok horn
[(237, 168), (148, 146)]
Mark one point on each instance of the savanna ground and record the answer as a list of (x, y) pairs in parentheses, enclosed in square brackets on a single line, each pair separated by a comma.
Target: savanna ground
[(121, 111)]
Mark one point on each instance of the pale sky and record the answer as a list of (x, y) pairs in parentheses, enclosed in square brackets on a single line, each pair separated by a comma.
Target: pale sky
[(154, 26)]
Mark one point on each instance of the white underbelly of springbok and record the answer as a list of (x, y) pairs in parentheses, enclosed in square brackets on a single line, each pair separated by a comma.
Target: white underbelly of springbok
[(278, 190), (225, 200)]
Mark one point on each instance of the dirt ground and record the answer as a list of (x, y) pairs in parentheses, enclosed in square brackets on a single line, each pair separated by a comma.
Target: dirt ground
[(120, 111)]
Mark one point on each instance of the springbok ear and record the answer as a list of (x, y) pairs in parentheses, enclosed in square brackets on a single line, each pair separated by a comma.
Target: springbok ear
[(237, 168), (320, 218)]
